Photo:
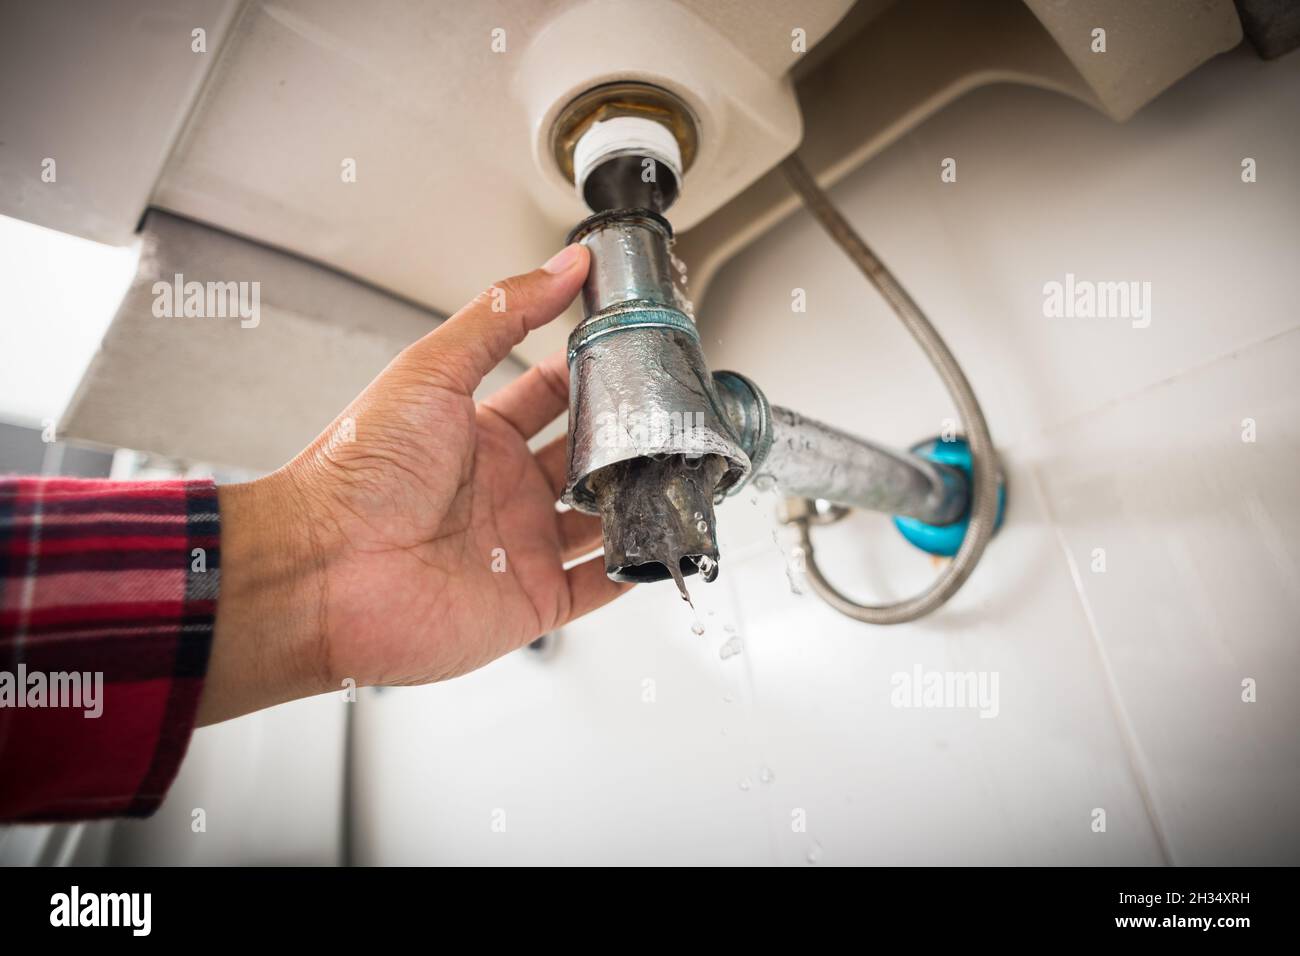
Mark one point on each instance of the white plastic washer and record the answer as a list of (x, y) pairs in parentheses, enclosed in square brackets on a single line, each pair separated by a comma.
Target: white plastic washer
[(625, 136)]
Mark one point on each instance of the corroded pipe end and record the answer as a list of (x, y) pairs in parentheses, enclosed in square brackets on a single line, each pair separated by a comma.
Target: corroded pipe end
[(657, 517)]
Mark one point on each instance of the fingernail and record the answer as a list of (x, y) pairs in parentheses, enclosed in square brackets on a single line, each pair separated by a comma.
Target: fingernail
[(562, 261)]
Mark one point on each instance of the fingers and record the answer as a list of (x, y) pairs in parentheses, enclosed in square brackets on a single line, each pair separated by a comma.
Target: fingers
[(579, 534), (553, 459), (536, 398), (475, 340), (589, 588)]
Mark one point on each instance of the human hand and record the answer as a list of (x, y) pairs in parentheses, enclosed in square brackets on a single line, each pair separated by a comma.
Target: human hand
[(417, 538)]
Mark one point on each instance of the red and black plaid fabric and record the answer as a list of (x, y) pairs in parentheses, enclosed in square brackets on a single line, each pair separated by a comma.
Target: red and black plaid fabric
[(102, 577)]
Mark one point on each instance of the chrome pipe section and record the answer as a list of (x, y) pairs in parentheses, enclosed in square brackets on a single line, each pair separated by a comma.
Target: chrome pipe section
[(655, 440), (804, 458), (630, 261), (650, 447)]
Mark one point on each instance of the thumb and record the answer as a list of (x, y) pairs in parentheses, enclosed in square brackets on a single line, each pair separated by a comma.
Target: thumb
[(476, 339)]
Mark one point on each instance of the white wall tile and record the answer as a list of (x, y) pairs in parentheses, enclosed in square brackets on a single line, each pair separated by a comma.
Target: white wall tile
[(904, 785), (271, 788), (585, 769), (1045, 186), (1201, 590)]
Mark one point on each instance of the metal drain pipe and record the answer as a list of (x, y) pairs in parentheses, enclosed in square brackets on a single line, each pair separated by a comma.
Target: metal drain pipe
[(655, 440), (804, 458)]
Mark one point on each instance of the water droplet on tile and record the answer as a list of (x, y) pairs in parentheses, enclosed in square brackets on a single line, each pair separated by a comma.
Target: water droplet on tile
[(815, 853), (766, 775), (697, 628), (745, 784), (729, 649)]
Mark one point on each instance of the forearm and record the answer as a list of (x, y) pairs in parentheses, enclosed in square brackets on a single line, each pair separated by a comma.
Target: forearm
[(268, 646)]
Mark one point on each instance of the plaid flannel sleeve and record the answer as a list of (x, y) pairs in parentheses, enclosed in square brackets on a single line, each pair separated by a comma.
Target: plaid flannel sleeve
[(108, 594)]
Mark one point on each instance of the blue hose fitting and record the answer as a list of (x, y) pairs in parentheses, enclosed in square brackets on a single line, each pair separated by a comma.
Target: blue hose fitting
[(945, 539)]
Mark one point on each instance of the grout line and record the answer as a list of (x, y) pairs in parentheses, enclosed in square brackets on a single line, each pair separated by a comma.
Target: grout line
[(1111, 403), (1132, 746)]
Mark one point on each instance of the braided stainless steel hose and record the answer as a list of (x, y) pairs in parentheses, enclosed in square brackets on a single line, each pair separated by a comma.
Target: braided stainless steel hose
[(984, 468)]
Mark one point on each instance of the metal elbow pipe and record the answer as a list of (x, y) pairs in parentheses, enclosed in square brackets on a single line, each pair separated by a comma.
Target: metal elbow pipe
[(655, 440), (804, 458)]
